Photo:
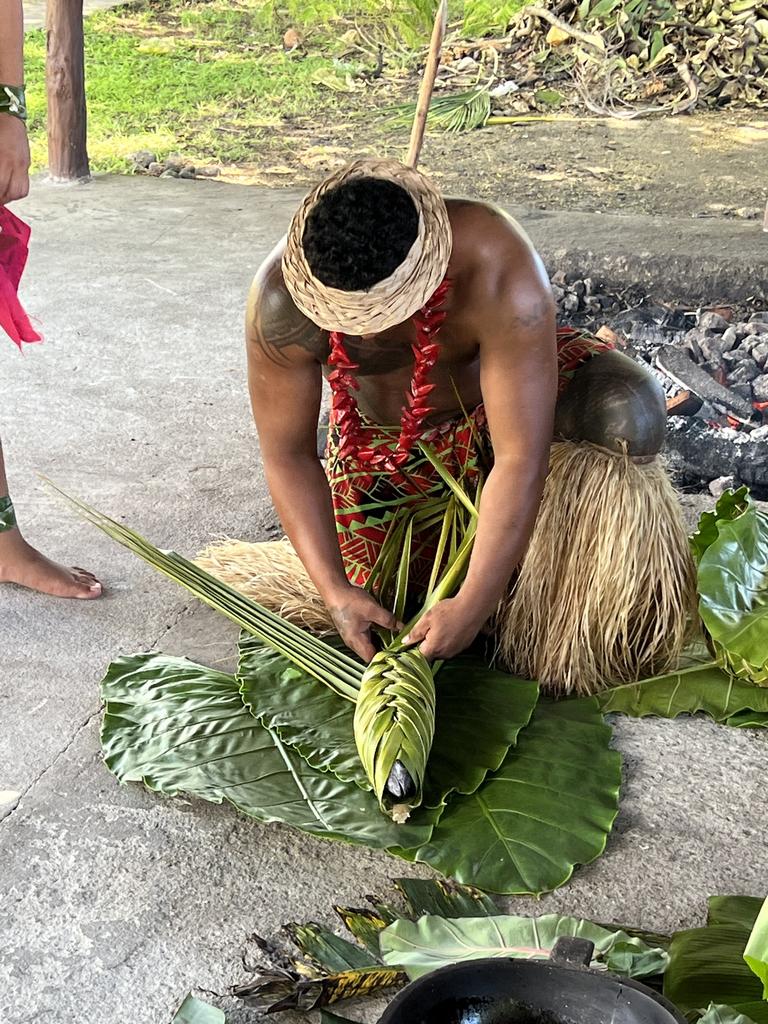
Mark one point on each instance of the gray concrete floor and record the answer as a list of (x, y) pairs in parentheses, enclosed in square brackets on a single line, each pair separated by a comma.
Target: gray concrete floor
[(115, 902)]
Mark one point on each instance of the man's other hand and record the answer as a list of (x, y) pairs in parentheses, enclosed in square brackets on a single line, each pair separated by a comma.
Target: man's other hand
[(354, 612), (14, 159), (445, 631)]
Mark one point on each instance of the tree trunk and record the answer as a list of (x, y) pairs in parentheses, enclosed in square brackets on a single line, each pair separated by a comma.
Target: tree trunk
[(65, 79)]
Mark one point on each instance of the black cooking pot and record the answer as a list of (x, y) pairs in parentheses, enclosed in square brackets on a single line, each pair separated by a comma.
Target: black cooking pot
[(561, 990)]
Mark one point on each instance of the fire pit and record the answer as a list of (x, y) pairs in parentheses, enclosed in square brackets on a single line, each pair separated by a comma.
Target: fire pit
[(713, 366), (561, 990)]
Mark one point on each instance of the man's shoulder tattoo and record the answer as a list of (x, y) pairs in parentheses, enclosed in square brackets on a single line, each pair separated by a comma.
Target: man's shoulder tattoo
[(276, 324)]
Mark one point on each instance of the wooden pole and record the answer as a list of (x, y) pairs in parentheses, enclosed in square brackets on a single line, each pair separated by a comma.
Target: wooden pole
[(427, 84), (65, 80)]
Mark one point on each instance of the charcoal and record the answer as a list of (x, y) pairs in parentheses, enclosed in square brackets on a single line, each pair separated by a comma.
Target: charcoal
[(578, 288), (749, 343), (589, 286), (711, 346), (734, 357), (746, 371), (762, 316), (558, 293), (761, 434), (743, 390), (722, 484), (570, 303), (712, 322), (760, 353), (756, 327), (760, 388), (730, 336), (699, 454), (558, 278)]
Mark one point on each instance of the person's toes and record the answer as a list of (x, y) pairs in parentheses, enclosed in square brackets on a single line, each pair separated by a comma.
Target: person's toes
[(85, 584)]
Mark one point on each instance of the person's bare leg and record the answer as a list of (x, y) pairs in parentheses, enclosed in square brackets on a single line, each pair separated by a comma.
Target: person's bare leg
[(21, 563)]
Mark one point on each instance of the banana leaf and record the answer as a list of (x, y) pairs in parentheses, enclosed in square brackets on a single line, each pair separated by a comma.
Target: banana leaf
[(364, 924), (703, 688), (444, 898), (181, 728), (756, 953), (706, 965), (433, 942), (550, 806), (733, 594), (329, 951), (270, 993), (195, 1011), (480, 713)]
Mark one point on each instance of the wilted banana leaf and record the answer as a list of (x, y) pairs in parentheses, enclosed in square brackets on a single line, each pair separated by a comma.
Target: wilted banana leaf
[(364, 924), (182, 728), (733, 594), (195, 1011), (433, 942), (706, 965), (701, 688), (550, 806), (444, 898), (756, 953), (479, 715), (332, 953), (278, 991)]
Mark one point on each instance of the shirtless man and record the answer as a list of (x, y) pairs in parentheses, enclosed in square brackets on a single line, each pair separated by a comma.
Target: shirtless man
[(498, 347), (19, 562)]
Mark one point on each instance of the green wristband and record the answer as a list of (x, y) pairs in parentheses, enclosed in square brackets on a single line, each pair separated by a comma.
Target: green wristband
[(13, 101), (7, 515)]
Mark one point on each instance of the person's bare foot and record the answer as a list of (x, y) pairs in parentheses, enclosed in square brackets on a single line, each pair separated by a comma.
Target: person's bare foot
[(22, 564)]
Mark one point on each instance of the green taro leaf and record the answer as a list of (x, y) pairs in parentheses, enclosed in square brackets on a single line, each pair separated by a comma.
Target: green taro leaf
[(182, 728), (719, 1014), (195, 1011), (702, 688), (433, 942), (730, 505), (331, 952), (549, 807), (706, 965), (479, 714), (444, 898), (733, 593), (756, 953)]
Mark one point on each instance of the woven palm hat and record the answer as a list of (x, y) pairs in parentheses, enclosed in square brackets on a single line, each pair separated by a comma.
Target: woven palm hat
[(393, 299)]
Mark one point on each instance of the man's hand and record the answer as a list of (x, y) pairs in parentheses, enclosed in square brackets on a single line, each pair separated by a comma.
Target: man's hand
[(354, 611), (446, 630), (14, 159)]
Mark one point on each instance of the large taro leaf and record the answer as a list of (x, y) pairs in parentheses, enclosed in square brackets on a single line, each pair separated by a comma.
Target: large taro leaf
[(195, 1011), (756, 953), (479, 714), (550, 806), (704, 688), (182, 728), (733, 594), (749, 1013), (433, 942), (730, 505), (706, 965)]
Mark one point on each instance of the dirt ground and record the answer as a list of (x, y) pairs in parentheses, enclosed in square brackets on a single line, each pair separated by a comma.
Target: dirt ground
[(712, 164)]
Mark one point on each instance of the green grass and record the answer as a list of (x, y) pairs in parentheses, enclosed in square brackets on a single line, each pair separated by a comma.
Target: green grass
[(209, 78)]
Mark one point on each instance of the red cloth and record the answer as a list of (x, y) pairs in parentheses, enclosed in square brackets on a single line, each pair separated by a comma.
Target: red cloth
[(14, 237)]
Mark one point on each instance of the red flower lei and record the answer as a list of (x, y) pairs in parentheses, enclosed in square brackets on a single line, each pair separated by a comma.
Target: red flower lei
[(345, 414)]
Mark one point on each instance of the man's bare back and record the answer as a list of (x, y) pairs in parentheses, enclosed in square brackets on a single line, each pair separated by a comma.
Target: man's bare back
[(491, 253)]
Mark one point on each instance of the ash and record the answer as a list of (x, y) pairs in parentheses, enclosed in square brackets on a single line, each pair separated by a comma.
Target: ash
[(713, 366)]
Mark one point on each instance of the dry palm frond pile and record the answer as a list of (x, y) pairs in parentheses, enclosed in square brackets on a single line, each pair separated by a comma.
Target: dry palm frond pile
[(615, 58), (646, 56)]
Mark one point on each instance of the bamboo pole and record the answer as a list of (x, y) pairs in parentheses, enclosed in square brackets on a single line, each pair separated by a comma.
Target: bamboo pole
[(65, 82), (427, 84)]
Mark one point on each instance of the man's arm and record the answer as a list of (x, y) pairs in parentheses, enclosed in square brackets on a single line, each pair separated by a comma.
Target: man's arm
[(14, 147), (285, 383), (518, 376)]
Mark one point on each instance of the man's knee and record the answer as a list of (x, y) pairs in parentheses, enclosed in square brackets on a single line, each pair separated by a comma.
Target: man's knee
[(613, 402)]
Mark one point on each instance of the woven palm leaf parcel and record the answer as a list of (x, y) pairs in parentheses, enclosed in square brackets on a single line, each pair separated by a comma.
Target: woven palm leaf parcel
[(394, 725)]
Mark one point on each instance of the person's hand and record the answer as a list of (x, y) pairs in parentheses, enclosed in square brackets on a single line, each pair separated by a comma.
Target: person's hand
[(14, 159), (445, 631), (354, 611)]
